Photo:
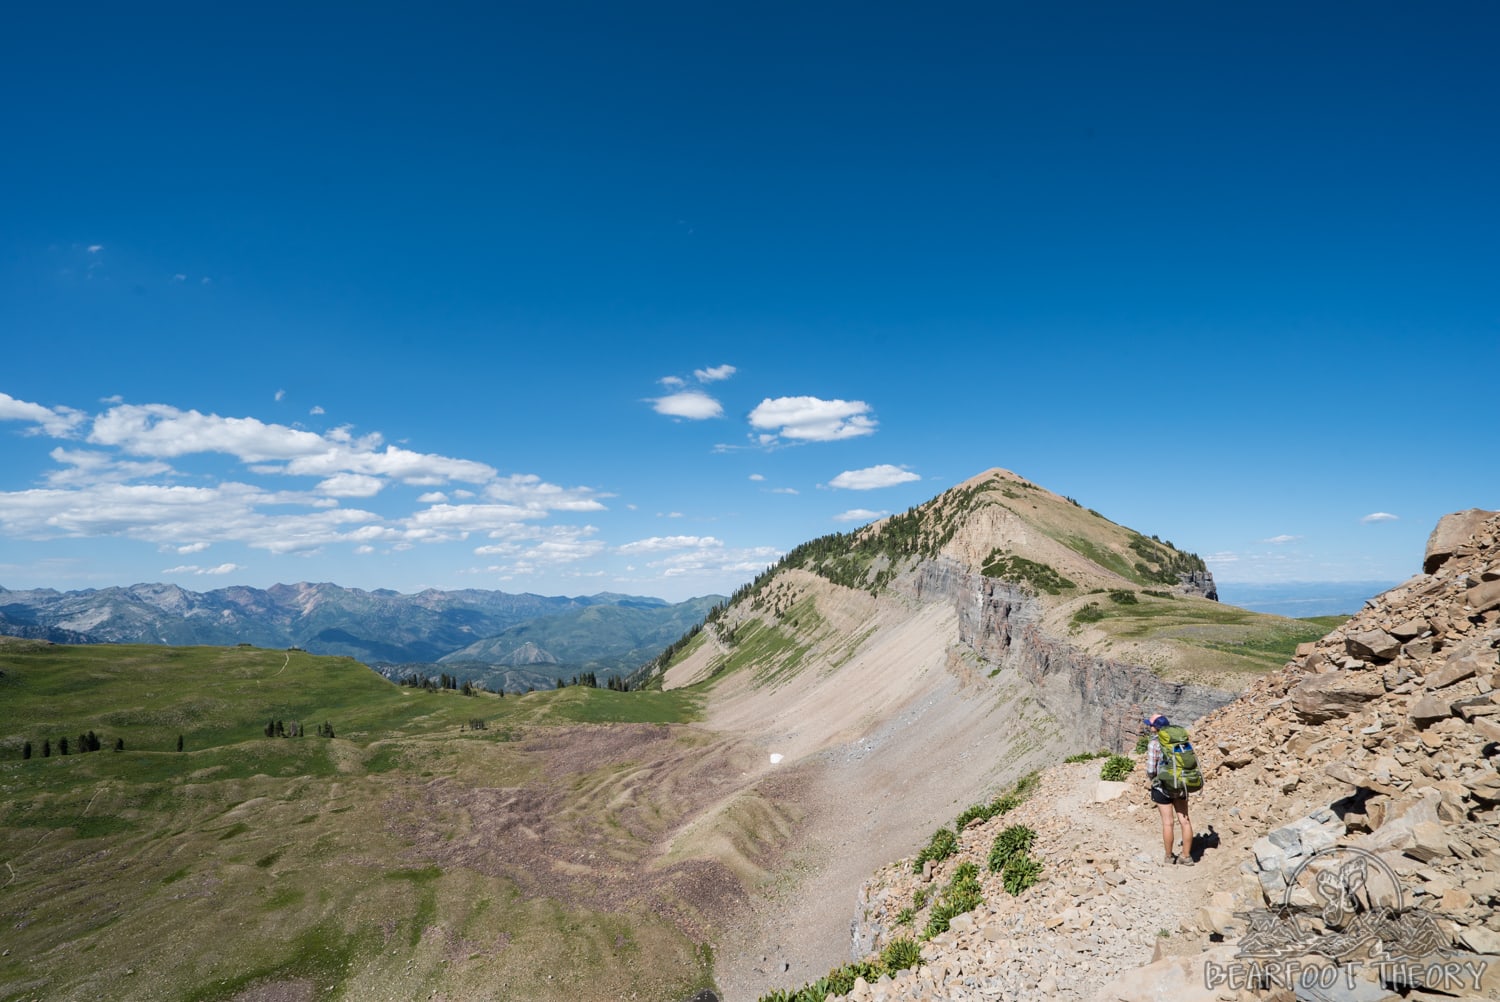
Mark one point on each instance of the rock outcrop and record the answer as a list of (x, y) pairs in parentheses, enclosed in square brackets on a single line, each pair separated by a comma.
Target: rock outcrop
[(1356, 790), (1101, 698)]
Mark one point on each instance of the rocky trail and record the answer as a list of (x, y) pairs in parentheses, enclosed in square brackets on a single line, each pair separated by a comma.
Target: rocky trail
[(1356, 788)]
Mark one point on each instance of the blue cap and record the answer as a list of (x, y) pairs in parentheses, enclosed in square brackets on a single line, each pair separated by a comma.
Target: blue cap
[(1157, 721)]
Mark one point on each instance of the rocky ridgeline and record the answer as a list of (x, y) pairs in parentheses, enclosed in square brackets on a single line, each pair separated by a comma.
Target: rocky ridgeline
[(1384, 737)]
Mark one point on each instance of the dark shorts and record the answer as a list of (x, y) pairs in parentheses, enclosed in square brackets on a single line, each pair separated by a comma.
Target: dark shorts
[(1159, 796)]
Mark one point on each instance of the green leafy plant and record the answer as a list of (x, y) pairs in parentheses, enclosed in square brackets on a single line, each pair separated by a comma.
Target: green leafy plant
[(944, 843), (1117, 768), (900, 954), (906, 916), (1021, 872), (1142, 743), (1120, 596), (963, 894), (920, 897), (1090, 613), (1087, 756), (1013, 841)]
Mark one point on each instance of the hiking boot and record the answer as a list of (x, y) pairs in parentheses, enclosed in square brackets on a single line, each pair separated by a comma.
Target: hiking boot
[(1185, 860), (1169, 860)]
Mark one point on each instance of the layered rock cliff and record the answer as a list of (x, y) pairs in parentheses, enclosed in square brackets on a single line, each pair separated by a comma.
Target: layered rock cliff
[(1103, 699)]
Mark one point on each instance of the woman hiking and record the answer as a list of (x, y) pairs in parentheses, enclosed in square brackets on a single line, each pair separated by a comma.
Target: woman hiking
[(1166, 804)]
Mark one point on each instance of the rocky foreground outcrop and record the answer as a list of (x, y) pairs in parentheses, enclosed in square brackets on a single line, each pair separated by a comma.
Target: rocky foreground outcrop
[(1349, 833)]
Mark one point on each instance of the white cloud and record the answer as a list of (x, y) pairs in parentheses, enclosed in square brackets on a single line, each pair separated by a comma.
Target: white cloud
[(756, 476), (58, 422), (179, 277), (810, 419), (531, 491), (858, 515), (317, 409), (195, 569), (659, 544), (691, 404), (672, 382), (280, 395), (1278, 540), (86, 467), (872, 477), (160, 430), (715, 374), (192, 548), (95, 248), (1379, 516), (432, 497), (784, 490), (364, 548), (351, 485), (717, 561)]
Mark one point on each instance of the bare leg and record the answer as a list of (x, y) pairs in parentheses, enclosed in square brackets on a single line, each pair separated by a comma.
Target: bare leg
[(1181, 807), (1166, 829)]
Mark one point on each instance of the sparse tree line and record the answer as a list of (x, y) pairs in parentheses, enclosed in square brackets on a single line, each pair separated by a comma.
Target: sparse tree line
[(293, 729), (421, 680), (591, 680), (87, 742)]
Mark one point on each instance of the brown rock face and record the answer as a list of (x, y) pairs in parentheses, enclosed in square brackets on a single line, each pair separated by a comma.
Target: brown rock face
[(1336, 694), (1452, 532)]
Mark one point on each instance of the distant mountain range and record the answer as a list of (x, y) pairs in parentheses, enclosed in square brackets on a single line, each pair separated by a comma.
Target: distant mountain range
[(468, 630)]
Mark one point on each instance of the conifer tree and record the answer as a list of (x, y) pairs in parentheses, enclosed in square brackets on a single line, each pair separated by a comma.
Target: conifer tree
[(26, 750), (62, 746), (46, 747), (179, 742), (119, 744)]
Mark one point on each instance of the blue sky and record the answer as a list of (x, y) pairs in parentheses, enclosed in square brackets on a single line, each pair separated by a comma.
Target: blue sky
[(569, 298)]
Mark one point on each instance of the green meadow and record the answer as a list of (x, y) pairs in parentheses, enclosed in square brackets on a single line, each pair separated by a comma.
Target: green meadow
[(373, 864)]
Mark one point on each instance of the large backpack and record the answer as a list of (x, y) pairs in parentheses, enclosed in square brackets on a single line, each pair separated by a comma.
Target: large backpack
[(1178, 773)]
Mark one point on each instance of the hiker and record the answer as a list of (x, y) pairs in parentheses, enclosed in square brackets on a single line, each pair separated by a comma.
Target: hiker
[(1167, 804)]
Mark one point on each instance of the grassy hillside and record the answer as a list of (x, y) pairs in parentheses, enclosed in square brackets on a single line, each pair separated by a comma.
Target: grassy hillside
[(408, 855)]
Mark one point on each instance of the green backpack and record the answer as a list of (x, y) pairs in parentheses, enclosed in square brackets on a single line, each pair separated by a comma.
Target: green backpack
[(1178, 773)]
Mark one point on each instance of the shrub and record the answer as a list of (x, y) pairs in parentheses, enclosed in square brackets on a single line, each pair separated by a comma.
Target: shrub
[(1090, 613), (944, 844), (1142, 743), (899, 954), (1117, 768), (1021, 872), (970, 813), (1122, 597), (1005, 804), (1027, 784), (1014, 841), (961, 895), (1087, 756)]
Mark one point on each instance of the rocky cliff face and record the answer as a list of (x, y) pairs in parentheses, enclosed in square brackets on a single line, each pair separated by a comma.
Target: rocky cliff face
[(1103, 699), (1349, 829)]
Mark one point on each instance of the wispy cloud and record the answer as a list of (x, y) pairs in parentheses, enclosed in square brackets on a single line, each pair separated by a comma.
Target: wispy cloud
[(58, 422), (658, 544), (784, 490), (280, 395), (1379, 516), (1278, 540), (756, 477), (351, 485), (95, 248), (810, 419), (694, 405), (859, 515), (316, 410), (872, 477), (195, 569), (715, 374)]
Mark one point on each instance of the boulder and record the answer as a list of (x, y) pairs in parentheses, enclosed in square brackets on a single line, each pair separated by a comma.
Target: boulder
[(1377, 645), (1429, 710), (1452, 532), (1326, 697), (1483, 597)]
